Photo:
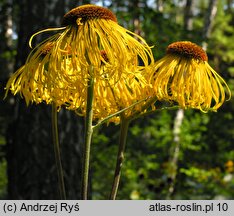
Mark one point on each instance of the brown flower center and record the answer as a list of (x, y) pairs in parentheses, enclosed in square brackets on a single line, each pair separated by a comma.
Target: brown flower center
[(87, 12), (187, 49)]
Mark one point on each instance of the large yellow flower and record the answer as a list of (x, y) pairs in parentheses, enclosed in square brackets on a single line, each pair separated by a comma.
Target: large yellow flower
[(36, 85), (88, 30), (64, 59), (185, 77), (58, 69)]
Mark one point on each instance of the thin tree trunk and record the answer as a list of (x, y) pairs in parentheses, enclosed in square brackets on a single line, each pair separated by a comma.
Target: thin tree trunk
[(175, 151), (188, 15), (159, 5), (136, 16), (209, 18), (230, 5), (6, 43)]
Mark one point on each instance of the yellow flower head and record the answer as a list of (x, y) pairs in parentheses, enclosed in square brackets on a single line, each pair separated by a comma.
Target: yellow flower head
[(184, 76), (58, 69), (88, 30)]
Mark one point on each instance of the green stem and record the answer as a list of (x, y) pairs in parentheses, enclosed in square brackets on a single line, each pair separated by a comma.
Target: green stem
[(88, 136), (153, 111), (120, 157), (144, 107), (116, 113), (59, 167)]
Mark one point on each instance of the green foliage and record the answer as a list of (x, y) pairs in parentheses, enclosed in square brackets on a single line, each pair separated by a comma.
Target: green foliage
[(160, 31), (221, 41)]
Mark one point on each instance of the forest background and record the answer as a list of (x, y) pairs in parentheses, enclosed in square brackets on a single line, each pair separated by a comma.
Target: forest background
[(170, 154)]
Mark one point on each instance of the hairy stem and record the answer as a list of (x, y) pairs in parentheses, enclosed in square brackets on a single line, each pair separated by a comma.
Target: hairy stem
[(88, 136), (116, 113), (57, 153), (124, 123)]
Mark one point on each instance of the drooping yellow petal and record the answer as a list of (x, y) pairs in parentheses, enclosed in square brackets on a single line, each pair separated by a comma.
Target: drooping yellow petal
[(185, 77), (57, 69)]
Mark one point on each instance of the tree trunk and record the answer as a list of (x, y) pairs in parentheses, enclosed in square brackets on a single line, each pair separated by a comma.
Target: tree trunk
[(230, 5), (6, 42), (175, 151), (209, 17), (136, 16), (30, 156), (159, 5), (188, 15)]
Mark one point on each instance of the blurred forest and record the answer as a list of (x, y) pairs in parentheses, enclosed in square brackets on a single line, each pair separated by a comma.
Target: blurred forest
[(170, 154)]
